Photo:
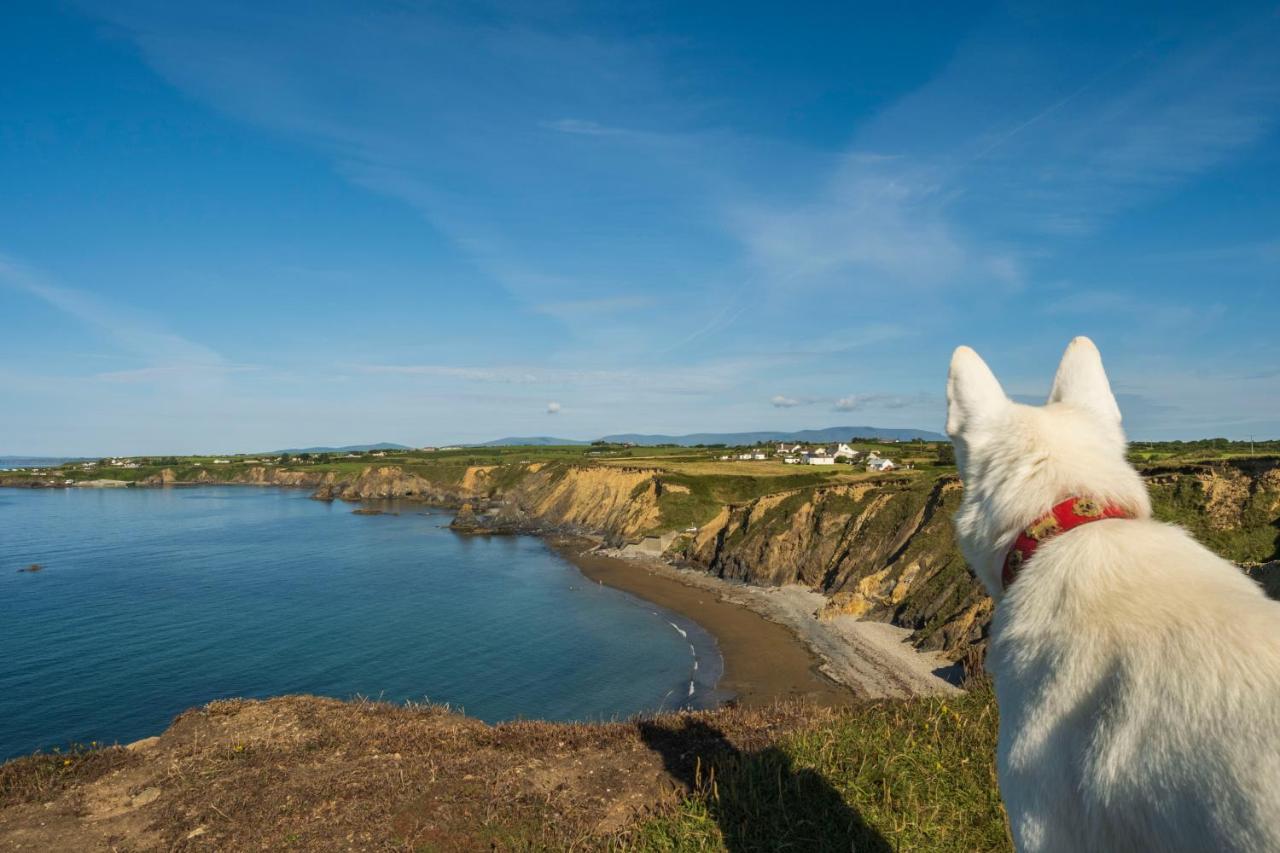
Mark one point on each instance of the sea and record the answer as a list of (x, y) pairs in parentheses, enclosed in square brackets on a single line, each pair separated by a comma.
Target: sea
[(152, 601), (9, 463)]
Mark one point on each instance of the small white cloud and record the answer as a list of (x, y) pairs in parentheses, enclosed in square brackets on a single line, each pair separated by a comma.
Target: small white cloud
[(553, 407), (854, 402), (582, 127), (782, 402)]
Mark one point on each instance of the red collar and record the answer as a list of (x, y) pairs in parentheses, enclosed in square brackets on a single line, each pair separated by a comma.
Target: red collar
[(1067, 515)]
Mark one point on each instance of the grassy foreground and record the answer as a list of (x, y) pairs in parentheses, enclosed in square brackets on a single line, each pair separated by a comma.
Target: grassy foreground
[(316, 774), (916, 775)]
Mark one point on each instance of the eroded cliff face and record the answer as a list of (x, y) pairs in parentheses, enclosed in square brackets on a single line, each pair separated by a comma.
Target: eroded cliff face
[(621, 503), (258, 475), (618, 503), (1233, 507), (386, 481), (882, 550)]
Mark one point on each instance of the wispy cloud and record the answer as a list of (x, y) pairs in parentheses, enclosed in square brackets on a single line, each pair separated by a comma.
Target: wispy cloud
[(166, 355), (858, 402), (939, 191), (577, 309), (878, 219), (697, 379), (857, 337), (582, 127)]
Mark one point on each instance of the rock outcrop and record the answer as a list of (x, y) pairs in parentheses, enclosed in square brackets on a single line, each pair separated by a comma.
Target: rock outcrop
[(385, 481)]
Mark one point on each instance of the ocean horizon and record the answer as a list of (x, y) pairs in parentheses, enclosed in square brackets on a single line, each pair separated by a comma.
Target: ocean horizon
[(152, 601)]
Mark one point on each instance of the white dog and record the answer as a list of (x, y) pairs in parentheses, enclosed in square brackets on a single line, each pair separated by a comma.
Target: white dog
[(1138, 674)]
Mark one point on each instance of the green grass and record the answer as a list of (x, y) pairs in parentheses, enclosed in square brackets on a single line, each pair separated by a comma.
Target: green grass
[(1199, 450), (916, 776)]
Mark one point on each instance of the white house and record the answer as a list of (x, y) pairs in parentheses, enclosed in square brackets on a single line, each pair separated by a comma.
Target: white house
[(879, 464), (844, 451), (822, 460), (759, 455)]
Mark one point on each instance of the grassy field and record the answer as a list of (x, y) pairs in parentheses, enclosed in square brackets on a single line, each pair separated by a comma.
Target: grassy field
[(448, 466), (1202, 450)]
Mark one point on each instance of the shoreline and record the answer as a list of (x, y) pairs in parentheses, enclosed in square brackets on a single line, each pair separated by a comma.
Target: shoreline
[(763, 661), (771, 643)]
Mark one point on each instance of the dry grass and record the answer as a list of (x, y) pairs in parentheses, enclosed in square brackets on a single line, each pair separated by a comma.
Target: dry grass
[(44, 775), (318, 774)]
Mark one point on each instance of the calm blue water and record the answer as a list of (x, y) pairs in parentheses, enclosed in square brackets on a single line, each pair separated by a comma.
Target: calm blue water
[(156, 600), (8, 462)]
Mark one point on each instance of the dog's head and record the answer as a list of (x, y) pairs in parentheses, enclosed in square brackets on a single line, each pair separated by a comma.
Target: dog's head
[(1017, 461)]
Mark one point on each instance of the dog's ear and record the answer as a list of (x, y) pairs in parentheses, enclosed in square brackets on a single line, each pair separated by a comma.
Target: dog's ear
[(973, 392), (1082, 381)]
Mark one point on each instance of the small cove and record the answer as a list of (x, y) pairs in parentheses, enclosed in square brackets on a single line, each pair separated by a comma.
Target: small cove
[(153, 601)]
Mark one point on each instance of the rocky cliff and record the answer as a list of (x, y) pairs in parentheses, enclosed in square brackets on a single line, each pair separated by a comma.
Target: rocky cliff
[(615, 502), (257, 475), (883, 550), (1232, 507), (387, 481)]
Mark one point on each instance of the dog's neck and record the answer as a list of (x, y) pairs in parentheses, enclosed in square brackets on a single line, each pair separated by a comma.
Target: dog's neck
[(1005, 496), (1065, 516)]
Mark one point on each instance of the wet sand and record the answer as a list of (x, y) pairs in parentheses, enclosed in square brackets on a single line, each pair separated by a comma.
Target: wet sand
[(763, 660)]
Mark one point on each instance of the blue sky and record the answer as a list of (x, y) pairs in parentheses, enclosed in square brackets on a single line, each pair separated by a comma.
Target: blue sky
[(248, 225)]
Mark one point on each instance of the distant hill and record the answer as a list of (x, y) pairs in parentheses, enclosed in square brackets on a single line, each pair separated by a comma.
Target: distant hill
[(531, 440), (813, 436), (350, 448)]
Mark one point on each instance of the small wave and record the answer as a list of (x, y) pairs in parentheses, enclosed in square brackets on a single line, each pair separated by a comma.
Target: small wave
[(683, 632)]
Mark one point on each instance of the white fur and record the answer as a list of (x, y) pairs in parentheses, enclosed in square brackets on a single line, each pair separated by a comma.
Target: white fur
[(1137, 673)]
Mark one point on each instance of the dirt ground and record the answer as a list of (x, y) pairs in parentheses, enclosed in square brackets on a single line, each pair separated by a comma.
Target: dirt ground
[(308, 773)]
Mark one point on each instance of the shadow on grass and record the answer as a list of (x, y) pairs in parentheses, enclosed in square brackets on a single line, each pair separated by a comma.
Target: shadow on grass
[(759, 799)]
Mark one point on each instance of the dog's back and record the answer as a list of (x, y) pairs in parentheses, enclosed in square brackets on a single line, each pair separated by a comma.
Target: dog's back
[(1139, 690), (1138, 674)]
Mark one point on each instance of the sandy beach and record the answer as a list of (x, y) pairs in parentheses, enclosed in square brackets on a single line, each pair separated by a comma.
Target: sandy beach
[(773, 645)]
